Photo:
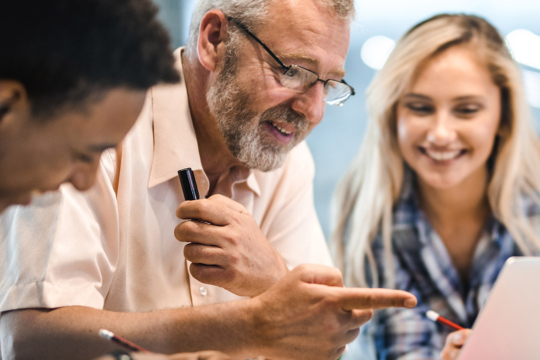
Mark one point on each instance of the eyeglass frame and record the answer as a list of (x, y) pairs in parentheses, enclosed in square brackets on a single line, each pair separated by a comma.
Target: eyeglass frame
[(285, 67)]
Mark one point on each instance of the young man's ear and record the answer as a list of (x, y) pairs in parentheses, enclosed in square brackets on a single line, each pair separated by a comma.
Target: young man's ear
[(12, 98), (212, 36)]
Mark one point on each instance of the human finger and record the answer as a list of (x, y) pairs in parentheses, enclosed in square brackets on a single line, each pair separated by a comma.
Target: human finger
[(204, 254), (351, 335), (360, 298), (449, 353), (201, 355), (340, 351), (318, 274), (146, 356), (200, 233), (205, 210), (212, 355), (143, 356), (457, 338), (360, 317), (210, 274), (229, 203)]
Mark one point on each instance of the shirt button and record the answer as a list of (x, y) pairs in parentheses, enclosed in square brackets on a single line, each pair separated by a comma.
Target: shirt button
[(203, 291)]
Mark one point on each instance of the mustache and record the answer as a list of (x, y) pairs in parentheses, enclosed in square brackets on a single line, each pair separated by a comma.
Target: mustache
[(285, 114)]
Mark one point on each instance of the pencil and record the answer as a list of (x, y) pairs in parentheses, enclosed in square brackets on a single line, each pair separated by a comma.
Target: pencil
[(432, 315), (106, 334)]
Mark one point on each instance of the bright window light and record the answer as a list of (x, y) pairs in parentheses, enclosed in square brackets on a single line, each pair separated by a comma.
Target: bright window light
[(531, 82), (525, 47), (375, 51)]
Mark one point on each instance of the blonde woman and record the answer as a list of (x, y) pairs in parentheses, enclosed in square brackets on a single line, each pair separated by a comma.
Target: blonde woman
[(446, 186)]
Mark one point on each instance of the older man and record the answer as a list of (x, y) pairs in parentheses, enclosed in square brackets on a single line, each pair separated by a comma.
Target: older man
[(256, 78)]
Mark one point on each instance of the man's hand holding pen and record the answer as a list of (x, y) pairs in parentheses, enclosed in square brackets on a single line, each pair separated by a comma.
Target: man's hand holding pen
[(227, 247), (289, 312)]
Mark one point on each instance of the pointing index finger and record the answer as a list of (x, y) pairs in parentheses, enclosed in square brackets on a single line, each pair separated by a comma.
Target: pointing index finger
[(361, 298)]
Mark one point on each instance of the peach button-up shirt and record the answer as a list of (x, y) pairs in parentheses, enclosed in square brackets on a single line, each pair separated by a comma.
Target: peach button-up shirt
[(117, 251)]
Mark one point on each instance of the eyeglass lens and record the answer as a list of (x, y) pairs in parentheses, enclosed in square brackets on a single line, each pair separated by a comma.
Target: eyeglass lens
[(300, 79)]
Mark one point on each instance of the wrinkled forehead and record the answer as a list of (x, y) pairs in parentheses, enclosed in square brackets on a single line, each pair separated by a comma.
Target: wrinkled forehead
[(306, 32)]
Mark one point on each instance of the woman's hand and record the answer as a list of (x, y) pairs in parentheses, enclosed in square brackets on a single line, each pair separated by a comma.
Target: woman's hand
[(454, 343)]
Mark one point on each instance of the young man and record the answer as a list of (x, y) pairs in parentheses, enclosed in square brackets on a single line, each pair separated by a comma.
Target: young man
[(73, 79), (109, 258)]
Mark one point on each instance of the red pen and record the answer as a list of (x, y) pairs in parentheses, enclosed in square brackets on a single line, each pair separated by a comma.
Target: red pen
[(432, 315), (106, 334)]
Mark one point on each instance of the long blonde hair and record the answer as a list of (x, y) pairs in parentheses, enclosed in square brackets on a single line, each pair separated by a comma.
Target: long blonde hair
[(365, 198)]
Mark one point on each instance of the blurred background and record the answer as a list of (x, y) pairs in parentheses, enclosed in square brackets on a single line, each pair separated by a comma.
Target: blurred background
[(378, 24)]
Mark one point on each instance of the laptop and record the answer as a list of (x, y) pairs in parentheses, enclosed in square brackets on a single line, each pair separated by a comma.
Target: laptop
[(508, 328)]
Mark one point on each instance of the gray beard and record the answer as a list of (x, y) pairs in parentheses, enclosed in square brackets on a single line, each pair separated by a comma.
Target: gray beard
[(242, 127)]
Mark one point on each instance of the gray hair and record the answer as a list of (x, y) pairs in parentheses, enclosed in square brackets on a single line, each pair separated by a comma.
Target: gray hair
[(252, 13)]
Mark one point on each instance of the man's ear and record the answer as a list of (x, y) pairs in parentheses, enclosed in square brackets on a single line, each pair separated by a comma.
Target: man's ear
[(13, 100), (212, 36)]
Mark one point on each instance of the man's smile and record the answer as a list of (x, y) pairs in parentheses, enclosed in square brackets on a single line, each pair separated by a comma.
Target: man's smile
[(282, 132)]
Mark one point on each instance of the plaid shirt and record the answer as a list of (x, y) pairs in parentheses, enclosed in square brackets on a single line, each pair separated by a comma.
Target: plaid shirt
[(424, 268)]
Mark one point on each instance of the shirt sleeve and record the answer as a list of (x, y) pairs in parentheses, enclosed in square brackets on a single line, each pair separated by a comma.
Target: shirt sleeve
[(291, 223), (59, 251)]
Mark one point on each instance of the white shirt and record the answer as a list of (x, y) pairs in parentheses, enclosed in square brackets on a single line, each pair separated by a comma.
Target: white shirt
[(117, 251)]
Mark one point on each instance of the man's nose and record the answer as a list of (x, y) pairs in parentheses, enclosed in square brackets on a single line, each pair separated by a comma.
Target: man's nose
[(442, 129), (83, 175), (311, 103)]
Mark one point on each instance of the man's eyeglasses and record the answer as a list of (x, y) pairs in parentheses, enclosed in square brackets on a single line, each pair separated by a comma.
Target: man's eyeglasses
[(301, 79)]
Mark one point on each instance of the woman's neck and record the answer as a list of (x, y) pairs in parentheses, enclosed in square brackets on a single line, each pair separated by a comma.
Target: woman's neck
[(458, 215), (465, 200)]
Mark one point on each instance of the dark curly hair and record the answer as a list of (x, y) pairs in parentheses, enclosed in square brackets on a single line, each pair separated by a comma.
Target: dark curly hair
[(65, 52)]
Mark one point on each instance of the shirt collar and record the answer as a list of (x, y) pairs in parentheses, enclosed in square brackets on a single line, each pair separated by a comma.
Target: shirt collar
[(244, 174), (408, 214), (175, 141), (253, 184)]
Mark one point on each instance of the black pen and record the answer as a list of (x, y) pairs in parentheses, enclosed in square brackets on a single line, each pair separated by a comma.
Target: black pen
[(189, 185)]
